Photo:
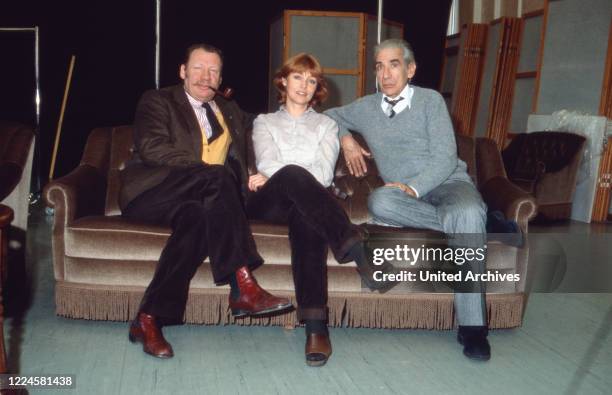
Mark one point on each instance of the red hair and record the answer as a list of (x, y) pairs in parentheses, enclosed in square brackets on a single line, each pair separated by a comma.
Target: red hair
[(302, 63)]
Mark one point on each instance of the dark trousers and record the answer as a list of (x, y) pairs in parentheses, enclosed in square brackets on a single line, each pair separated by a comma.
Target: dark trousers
[(202, 205), (316, 221)]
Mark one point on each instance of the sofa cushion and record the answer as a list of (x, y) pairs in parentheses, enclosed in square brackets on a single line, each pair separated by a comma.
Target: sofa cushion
[(115, 237), (112, 273)]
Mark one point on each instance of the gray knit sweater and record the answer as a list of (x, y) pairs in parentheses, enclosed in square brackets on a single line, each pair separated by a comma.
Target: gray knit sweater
[(416, 147)]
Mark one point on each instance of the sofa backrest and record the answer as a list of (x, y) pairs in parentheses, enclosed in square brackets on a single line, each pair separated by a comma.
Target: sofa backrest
[(466, 151), (121, 148)]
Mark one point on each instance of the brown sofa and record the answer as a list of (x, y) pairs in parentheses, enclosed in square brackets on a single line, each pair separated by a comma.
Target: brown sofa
[(103, 262)]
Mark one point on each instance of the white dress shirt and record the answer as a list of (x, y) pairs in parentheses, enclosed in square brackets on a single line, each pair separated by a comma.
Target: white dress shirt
[(406, 93), (200, 113), (310, 141)]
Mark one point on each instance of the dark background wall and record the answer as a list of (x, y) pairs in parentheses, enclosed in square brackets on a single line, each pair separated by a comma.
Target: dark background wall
[(113, 42)]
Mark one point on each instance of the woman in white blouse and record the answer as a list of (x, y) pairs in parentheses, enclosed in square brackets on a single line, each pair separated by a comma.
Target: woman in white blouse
[(296, 149)]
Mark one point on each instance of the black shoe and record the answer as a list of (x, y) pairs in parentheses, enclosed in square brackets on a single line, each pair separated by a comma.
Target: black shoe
[(367, 270), (506, 231), (474, 341), (348, 249)]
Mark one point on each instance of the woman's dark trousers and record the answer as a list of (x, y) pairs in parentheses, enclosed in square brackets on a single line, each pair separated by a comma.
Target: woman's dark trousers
[(316, 221)]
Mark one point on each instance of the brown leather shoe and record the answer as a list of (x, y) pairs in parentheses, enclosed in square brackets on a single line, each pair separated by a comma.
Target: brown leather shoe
[(318, 349), (146, 330), (253, 299)]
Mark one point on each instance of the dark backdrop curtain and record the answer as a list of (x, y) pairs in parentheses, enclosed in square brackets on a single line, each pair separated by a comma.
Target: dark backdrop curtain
[(114, 46)]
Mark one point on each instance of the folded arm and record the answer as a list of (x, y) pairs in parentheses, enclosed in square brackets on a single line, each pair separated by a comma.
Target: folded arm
[(353, 152)]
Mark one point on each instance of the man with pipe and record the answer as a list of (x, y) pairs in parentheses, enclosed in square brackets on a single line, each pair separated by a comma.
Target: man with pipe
[(189, 171), (426, 186)]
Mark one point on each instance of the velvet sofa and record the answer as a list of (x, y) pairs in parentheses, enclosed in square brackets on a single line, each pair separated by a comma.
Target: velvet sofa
[(103, 262)]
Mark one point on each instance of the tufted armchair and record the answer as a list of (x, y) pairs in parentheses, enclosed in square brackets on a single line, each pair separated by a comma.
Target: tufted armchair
[(546, 165), (15, 164)]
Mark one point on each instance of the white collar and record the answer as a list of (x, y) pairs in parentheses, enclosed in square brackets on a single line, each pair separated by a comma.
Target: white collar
[(197, 103), (283, 108), (406, 93)]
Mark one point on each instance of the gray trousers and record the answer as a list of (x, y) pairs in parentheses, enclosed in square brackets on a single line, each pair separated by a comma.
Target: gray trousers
[(455, 208)]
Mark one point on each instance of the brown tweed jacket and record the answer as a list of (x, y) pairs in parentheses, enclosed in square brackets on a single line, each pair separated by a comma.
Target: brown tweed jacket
[(167, 136)]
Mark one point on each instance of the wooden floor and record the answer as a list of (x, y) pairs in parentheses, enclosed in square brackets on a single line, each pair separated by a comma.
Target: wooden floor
[(564, 347)]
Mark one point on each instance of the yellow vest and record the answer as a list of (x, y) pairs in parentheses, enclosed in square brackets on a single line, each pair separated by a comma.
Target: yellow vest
[(215, 153)]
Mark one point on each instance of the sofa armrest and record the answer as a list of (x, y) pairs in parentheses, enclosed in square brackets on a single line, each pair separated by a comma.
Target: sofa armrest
[(489, 161), (78, 194), (501, 194)]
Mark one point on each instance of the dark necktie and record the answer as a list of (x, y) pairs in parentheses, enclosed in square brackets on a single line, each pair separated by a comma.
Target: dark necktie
[(393, 103), (215, 126)]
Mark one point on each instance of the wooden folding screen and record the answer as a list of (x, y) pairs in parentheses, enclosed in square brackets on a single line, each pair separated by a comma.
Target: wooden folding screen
[(528, 70), (461, 74), (502, 51), (575, 75), (601, 206), (450, 63), (342, 41)]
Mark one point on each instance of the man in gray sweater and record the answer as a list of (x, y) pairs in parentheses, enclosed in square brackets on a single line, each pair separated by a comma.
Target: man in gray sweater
[(410, 134)]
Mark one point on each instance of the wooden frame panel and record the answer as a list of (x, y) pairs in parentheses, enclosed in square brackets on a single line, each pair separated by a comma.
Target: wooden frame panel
[(601, 205), (468, 77), (526, 74), (359, 71), (360, 16), (540, 57)]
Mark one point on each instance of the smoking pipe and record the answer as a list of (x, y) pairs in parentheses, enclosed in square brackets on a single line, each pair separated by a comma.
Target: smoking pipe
[(226, 93)]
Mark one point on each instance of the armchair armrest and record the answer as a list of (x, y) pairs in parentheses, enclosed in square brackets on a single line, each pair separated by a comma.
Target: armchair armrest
[(556, 187), (501, 194), (10, 174), (6, 216)]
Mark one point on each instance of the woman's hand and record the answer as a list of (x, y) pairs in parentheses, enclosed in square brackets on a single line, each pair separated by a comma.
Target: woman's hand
[(408, 190), (353, 155), (256, 181)]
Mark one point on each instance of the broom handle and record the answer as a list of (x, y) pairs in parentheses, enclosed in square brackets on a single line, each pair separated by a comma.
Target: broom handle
[(58, 132)]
